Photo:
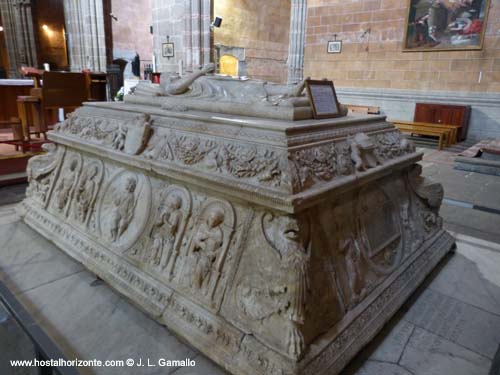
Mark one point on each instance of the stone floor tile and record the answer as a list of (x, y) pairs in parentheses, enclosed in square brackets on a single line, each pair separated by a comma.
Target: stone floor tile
[(29, 260), (14, 345), (468, 219), (391, 347), (382, 368), (203, 367), (471, 275), (429, 354), (456, 321), (94, 322)]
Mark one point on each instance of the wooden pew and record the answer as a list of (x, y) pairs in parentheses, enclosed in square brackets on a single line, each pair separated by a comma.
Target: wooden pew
[(366, 109), (455, 129), (443, 134)]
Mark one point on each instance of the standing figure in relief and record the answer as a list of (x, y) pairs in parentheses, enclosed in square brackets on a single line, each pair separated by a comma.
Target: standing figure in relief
[(67, 182), (208, 240), (123, 211), (85, 192), (349, 248), (165, 232), (118, 142)]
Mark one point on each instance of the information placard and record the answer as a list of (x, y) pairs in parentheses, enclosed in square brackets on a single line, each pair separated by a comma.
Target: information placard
[(323, 99)]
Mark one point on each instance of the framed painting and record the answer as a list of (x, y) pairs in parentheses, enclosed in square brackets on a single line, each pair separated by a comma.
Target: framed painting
[(443, 25), (334, 46), (168, 49), (323, 98)]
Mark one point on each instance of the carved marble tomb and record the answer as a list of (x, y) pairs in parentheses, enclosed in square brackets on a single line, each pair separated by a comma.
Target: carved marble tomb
[(273, 246)]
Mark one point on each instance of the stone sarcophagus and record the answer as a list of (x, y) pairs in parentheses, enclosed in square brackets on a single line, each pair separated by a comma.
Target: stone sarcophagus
[(273, 246)]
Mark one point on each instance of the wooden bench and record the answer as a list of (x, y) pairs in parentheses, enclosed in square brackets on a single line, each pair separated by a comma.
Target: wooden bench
[(444, 135), (455, 129), (366, 109)]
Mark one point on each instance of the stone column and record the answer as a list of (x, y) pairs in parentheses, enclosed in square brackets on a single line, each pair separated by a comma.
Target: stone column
[(295, 61), (85, 35), (187, 24), (19, 34), (197, 33)]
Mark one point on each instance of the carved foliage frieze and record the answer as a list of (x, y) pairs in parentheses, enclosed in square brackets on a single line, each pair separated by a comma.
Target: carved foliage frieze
[(237, 160), (130, 136), (323, 163)]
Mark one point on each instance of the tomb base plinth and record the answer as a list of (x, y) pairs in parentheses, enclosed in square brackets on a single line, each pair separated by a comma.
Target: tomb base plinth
[(272, 246)]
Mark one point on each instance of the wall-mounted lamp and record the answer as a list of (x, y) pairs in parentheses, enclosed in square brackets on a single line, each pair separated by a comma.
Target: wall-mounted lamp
[(1, 28), (217, 22), (45, 27)]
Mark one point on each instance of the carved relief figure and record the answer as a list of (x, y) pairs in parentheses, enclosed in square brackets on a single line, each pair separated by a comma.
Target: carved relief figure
[(430, 195), (349, 247), (165, 231), (67, 182), (41, 171), (283, 234), (123, 211), (208, 242), (363, 152), (119, 138), (350, 252), (86, 191), (208, 247)]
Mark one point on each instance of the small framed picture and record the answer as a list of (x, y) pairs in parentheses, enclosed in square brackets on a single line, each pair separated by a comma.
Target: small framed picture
[(334, 46), (168, 49), (323, 98)]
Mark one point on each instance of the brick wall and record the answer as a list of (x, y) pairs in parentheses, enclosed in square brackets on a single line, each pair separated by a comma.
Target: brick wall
[(261, 27), (376, 60)]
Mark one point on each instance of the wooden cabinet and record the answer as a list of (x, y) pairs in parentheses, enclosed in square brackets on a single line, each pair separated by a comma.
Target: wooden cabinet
[(444, 114)]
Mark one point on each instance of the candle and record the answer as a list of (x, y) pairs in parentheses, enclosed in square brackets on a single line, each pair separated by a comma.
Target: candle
[(180, 67)]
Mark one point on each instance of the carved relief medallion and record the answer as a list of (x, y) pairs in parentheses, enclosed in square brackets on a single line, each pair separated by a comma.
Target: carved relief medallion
[(380, 230), (124, 209)]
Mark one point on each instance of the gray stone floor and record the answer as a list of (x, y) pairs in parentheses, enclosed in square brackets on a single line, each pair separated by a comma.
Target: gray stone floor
[(450, 326)]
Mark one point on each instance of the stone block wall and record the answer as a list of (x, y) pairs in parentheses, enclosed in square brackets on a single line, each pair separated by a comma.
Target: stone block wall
[(260, 27), (375, 59), (373, 70), (131, 32)]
